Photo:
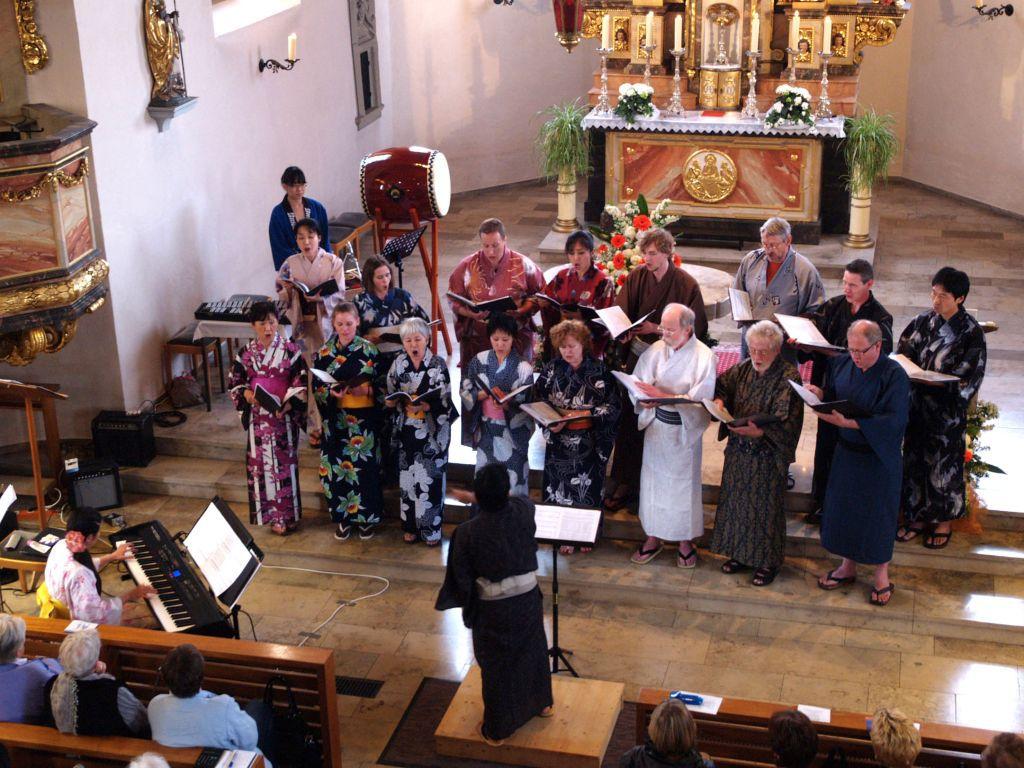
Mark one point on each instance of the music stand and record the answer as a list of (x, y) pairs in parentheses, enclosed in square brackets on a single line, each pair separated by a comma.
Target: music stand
[(398, 249), (557, 526), (225, 553)]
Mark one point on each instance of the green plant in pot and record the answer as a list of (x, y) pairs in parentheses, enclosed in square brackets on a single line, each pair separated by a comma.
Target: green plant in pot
[(870, 146), (565, 155)]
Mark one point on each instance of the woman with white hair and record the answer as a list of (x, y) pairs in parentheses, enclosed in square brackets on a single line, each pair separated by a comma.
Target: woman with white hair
[(22, 681), (88, 702), (419, 391), (750, 524)]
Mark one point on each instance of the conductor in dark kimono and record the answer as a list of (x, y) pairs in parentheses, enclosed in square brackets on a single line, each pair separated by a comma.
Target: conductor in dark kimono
[(863, 495), (491, 575)]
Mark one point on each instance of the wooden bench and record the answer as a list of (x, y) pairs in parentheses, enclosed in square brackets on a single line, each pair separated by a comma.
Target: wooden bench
[(737, 736), (239, 668)]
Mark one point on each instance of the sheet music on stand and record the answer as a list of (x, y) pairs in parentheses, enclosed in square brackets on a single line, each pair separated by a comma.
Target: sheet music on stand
[(566, 525), (399, 248), (224, 551)]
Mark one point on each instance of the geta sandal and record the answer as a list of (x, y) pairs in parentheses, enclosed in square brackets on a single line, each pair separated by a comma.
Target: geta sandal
[(936, 540), (683, 559), (837, 581), (877, 594), (643, 556)]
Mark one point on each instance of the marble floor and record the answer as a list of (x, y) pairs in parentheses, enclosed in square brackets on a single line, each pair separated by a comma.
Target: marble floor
[(949, 648)]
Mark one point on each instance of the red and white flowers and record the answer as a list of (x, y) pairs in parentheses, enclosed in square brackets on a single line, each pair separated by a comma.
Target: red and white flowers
[(620, 254)]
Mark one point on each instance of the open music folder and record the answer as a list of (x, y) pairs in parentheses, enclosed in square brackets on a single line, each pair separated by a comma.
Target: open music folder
[(224, 551), (566, 525)]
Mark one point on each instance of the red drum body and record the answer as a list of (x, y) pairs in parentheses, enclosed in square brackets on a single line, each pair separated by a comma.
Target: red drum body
[(397, 180)]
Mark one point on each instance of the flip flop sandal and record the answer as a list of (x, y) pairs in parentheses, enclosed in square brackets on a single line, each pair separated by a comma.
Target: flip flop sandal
[(683, 561), (764, 576), (732, 566), (876, 595), (643, 556), (910, 532), (935, 540), (840, 581)]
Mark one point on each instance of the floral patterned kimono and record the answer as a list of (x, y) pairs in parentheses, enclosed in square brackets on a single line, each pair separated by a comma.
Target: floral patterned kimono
[(594, 289), (272, 441), (423, 440), (498, 435), (577, 455), (349, 453)]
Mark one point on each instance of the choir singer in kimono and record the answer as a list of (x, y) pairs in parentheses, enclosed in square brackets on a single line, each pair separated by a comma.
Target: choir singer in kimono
[(648, 289), (491, 576), (493, 272), (424, 431), (750, 523), (863, 495), (272, 437), (292, 209), (670, 488), (949, 340), (778, 280)]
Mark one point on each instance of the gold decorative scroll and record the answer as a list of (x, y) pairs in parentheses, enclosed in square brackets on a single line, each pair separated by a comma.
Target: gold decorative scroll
[(34, 53), (161, 45), (874, 30), (21, 347), (592, 23), (50, 178), (59, 293), (709, 176)]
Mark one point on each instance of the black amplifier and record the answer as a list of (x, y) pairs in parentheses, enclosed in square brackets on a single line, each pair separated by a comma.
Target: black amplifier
[(96, 484), (125, 438)]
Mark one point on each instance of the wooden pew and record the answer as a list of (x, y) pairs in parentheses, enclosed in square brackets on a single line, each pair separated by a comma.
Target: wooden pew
[(737, 736), (240, 668)]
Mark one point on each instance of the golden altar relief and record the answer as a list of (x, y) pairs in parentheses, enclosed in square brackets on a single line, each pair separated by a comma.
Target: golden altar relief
[(709, 175), (717, 176)]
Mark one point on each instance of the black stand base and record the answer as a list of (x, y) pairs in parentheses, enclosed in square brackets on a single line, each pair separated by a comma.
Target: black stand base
[(556, 653)]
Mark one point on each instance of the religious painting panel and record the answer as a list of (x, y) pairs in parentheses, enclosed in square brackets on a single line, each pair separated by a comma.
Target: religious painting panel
[(743, 177), (809, 44), (842, 41), (620, 36)]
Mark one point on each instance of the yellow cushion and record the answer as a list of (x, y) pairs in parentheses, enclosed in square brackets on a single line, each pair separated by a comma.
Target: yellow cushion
[(49, 608)]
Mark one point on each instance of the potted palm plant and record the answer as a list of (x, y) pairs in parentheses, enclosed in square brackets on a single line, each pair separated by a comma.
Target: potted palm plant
[(871, 145), (564, 155)]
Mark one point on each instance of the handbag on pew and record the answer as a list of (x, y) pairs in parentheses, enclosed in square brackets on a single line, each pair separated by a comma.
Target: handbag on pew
[(285, 737)]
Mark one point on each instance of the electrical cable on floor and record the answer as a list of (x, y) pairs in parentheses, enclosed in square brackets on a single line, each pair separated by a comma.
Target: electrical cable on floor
[(252, 626), (341, 604)]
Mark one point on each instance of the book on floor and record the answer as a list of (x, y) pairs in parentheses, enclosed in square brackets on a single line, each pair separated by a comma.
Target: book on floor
[(411, 399), (721, 413), (326, 378), (271, 402), (919, 375), (742, 310), (501, 304), (843, 407), (806, 334), (546, 414), (616, 321), (629, 381), (586, 311), (390, 332), (496, 394), (326, 288)]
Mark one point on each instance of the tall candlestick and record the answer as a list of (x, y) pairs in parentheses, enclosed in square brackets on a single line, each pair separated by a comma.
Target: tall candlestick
[(755, 28), (678, 37), (603, 108), (606, 31), (293, 46), (794, 31), (826, 43), (649, 31)]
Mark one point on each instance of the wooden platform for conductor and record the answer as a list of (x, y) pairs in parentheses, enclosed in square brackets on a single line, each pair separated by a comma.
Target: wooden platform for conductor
[(576, 736)]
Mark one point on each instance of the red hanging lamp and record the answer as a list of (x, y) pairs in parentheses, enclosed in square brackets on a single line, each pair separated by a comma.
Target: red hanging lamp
[(568, 22)]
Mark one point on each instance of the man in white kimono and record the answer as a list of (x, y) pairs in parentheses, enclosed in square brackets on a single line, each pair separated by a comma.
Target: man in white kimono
[(670, 485), (778, 280)]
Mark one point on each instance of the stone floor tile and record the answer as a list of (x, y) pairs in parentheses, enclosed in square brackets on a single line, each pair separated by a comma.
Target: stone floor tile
[(847, 695), (935, 673)]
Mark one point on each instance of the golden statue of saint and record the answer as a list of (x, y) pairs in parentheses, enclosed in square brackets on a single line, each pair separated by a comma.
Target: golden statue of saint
[(163, 48)]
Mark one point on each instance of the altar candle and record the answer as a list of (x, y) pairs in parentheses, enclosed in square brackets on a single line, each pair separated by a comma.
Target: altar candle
[(649, 31), (678, 33), (293, 45), (606, 32), (755, 29), (827, 35), (794, 31)]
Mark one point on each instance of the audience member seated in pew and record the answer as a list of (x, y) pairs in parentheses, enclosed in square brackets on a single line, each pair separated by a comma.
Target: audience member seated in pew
[(22, 681), (191, 717), (896, 741), (149, 760), (671, 741), (85, 700), (793, 738), (1005, 751)]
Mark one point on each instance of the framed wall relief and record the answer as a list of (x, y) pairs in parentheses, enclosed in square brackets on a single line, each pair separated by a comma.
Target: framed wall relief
[(620, 36), (809, 45), (363, 24), (842, 41)]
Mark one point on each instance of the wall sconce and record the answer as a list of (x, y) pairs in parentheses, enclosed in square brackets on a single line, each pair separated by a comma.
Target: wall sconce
[(991, 13), (274, 65), (503, 2)]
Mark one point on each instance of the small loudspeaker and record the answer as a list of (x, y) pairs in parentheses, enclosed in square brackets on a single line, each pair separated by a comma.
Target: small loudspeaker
[(125, 438), (96, 484)]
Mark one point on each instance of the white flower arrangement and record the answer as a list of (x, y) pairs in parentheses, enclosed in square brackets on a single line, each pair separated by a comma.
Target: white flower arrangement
[(792, 104), (635, 99)]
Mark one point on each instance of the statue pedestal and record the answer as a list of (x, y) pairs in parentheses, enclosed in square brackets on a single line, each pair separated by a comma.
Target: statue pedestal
[(164, 113)]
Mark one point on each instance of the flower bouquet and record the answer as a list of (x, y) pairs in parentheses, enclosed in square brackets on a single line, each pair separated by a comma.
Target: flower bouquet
[(635, 99), (620, 254), (792, 107)]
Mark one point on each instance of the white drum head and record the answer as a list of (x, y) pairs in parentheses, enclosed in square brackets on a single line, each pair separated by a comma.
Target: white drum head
[(440, 183)]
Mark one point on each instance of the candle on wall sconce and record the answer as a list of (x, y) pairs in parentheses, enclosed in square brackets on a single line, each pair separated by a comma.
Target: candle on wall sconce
[(991, 13), (276, 66)]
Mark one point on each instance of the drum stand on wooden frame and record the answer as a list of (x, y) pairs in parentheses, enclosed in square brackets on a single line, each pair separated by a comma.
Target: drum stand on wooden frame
[(386, 229)]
